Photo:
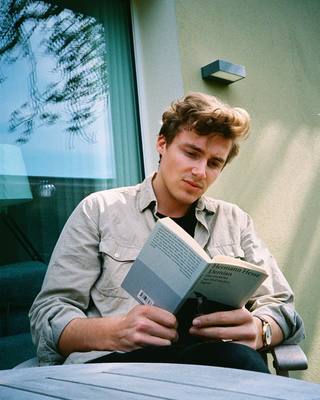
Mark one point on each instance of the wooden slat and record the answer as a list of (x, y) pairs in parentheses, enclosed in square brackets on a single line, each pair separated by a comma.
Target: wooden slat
[(150, 381)]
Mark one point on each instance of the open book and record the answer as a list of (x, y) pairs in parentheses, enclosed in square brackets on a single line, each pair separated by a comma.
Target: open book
[(172, 267)]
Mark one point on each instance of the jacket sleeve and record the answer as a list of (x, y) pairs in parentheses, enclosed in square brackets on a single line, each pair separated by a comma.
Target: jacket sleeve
[(275, 296), (65, 294)]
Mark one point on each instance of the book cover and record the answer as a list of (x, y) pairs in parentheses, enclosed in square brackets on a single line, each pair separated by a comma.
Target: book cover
[(172, 267)]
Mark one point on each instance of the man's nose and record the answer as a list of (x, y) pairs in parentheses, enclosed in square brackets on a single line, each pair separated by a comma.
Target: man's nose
[(199, 170)]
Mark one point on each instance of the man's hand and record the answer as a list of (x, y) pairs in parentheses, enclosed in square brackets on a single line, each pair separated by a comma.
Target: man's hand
[(236, 325), (145, 326), (142, 326)]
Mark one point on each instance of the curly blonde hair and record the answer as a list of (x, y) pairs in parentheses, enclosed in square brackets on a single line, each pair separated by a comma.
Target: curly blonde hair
[(206, 114)]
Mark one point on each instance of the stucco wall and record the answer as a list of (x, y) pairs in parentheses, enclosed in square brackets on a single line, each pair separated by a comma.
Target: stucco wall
[(277, 175)]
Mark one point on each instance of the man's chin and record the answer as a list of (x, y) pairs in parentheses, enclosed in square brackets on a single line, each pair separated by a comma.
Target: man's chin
[(190, 198)]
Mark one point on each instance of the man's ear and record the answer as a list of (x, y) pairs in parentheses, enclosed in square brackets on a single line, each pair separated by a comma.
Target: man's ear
[(161, 144)]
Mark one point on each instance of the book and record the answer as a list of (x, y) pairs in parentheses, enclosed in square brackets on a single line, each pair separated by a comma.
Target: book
[(172, 267)]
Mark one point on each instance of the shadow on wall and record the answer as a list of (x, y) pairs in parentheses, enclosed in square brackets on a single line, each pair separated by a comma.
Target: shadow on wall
[(303, 253)]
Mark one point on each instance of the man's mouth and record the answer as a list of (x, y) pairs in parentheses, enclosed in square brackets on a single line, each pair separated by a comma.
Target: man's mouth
[(195, 185)]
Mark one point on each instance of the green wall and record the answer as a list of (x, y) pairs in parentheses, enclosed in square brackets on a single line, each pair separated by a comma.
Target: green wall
[(276, 178)]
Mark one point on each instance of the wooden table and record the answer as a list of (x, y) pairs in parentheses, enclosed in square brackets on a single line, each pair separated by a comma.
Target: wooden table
[(149, 381)]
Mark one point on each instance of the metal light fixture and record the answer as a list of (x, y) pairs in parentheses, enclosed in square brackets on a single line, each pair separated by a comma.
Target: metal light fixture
[(223, 71), (46, 189)]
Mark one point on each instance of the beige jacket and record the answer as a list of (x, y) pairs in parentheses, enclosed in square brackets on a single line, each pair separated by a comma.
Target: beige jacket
[(103, 237)]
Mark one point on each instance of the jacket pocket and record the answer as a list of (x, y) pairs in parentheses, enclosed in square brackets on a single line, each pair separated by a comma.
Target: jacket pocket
[(116, 262)]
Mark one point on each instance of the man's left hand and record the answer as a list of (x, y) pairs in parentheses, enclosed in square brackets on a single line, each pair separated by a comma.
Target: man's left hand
[(236, 325)]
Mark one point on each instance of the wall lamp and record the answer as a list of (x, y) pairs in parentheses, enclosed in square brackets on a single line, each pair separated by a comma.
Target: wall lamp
[(223, 71)]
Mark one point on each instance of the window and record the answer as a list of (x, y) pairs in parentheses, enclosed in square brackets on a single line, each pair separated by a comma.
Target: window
[(69, 119)]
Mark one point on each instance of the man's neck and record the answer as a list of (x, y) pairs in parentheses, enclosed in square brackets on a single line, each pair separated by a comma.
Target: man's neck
[(166, 205)]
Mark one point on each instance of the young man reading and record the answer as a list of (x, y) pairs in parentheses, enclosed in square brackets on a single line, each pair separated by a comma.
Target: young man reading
[(83, 315)]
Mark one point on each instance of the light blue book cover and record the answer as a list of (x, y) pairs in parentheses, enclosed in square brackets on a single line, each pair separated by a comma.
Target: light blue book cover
[(172, 266)]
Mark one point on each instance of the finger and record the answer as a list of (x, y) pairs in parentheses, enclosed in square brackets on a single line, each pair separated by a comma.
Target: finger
[(162, 332), (160, 316), (149, 340), (234, 333), (222, 318), (144, 325), (139, 341)]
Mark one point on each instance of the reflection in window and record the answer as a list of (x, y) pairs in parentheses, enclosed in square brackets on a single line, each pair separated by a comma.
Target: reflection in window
[(56, 62), (68, 114)]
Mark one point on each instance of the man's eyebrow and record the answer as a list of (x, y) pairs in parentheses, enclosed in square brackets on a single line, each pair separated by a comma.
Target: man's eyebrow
[(199, 150), (194, 147)]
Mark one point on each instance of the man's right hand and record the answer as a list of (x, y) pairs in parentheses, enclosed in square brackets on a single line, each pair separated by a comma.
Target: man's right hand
[(142, 326), (146, 326)]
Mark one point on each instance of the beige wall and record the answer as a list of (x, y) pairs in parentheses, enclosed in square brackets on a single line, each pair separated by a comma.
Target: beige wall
[(277, 175), (276, 178), (159, 81)]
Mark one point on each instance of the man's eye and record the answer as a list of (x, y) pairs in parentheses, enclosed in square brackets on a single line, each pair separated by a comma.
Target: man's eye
[(214, 164), (190, 154)]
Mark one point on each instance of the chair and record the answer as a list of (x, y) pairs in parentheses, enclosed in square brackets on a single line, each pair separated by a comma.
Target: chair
[(19, 285), (288, 357)]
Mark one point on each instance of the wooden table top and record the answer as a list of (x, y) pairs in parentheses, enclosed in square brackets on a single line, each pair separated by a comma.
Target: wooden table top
[(149, 381)]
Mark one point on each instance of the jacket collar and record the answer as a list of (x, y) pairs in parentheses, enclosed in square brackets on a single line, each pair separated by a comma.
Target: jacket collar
[(206, 204), (146, 195)]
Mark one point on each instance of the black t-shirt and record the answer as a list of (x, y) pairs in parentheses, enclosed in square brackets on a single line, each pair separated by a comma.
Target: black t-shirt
[(187, 222)]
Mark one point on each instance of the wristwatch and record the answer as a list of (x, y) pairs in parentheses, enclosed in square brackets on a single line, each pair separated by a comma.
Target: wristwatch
[(266, 332)]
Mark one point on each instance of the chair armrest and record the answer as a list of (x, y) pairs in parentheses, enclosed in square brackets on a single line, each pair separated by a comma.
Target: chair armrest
[(288, 357)]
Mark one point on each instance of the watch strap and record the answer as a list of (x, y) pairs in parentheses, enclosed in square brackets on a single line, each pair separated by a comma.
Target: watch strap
[(266, 332)]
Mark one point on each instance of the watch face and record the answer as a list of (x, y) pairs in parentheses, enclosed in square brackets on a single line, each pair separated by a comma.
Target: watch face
[(267, 334)]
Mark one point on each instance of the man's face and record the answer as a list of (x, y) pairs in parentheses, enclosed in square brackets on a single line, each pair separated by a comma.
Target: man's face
[(188, 166)]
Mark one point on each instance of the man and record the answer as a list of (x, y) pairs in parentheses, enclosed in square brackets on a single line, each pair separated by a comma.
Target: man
[(83, 314)]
